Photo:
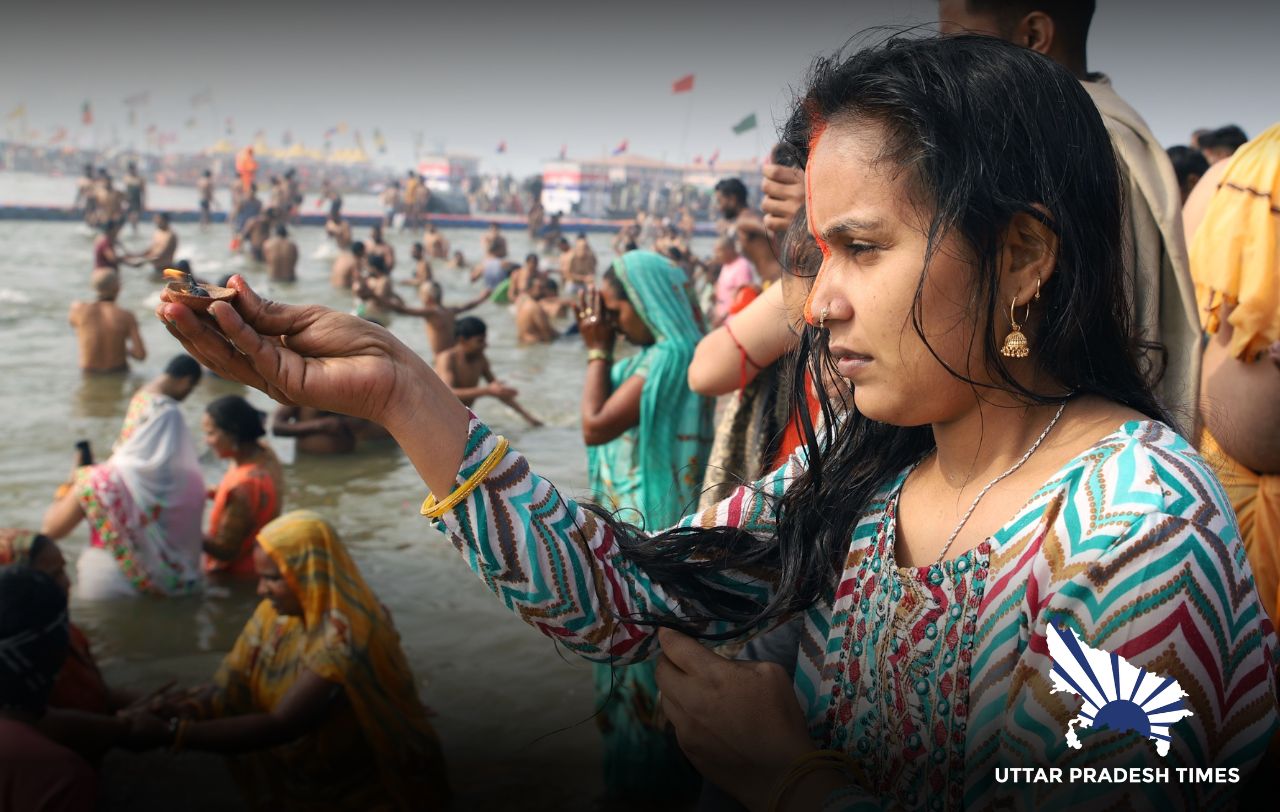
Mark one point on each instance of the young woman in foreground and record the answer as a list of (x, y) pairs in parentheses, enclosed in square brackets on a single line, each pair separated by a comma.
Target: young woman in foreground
[(961, 503)]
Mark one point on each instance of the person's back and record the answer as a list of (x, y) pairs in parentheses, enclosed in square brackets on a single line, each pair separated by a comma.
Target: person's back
[(107, 334), (533, 325), (282, 257)]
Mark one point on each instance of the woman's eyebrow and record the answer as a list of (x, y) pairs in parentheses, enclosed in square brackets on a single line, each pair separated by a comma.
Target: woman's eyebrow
[(847, 224)]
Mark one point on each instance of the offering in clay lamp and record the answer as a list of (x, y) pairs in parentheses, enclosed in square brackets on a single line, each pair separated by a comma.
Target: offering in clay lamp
[(184, 289)]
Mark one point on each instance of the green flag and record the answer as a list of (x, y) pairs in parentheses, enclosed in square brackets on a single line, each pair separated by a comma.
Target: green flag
[(748, 123)]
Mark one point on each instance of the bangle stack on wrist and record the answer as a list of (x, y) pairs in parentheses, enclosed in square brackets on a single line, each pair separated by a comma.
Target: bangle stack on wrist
[(598, 354)]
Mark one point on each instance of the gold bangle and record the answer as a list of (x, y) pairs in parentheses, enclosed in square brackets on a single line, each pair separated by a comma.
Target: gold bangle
[(599, 355), (434, 510), (811, 762)]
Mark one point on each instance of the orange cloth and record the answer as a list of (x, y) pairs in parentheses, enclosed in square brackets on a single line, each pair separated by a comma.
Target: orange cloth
[(246, 168), (79, 685), (792, 438), (1256, 499), (255, 481)]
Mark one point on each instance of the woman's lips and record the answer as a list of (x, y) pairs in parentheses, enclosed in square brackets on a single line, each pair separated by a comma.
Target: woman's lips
[(848, 362)]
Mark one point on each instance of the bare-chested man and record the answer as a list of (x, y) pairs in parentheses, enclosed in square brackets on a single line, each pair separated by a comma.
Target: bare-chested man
[(108, 200), (580, 272), (107, 333), (338, 230), (464, 365), (493, 243), (740, 223), (439, 319), (390, 200), (86, 200), (282, 256), (379, 245), (164, 244), (522, 278), (458, 261), (256, 232), (533, 325), (348, 267), (135, 190), (376, 299), (317, 432), (435, 243), (421, 267), (204, 192)]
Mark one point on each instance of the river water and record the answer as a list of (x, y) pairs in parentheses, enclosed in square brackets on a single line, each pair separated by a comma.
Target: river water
[(514, 714)]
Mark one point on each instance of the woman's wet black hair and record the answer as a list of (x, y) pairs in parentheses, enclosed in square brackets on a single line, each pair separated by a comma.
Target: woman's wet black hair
[(234, 415), (982, 130)]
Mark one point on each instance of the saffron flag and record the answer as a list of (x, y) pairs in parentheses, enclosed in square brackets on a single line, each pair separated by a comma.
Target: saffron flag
[(621, 148), (18, 112), (502, 146), (86, 113), (59, 135), (697, 160), (747, 124), (682, 85)]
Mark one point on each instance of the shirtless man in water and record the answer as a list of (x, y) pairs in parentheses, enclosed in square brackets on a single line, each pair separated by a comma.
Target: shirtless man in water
[(338, 230), (282, 256), (533, 325), (378, 245), (204, 190), (463, 366), (164, 244), (317, 432), (107, 333), (348, 267), (439, 319), (421, 267), (434, 242)]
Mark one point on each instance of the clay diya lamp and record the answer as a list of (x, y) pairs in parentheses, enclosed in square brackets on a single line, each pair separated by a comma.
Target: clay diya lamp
[(183, 289)]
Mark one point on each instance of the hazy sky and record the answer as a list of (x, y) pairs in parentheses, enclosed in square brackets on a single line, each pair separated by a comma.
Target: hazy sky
[(539, 75)]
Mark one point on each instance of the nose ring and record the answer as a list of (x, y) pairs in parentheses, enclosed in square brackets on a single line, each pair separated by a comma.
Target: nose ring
[(822, 318)]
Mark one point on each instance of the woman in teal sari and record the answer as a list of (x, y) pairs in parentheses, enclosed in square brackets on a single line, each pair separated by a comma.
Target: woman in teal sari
[(648, 436)]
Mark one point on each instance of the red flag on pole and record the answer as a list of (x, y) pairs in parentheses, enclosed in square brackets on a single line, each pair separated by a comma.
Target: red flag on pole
[(502, 146), (682, 85), (86, 113), (621, 148)]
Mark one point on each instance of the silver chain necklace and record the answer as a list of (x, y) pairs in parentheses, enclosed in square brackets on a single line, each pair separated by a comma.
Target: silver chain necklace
[(964, 519)]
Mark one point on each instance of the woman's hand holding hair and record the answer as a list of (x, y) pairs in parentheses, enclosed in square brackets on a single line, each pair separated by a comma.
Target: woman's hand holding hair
[(738, 722), (308, 355)]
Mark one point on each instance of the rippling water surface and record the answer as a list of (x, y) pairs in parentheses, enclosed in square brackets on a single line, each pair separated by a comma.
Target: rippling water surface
[(513, 713)]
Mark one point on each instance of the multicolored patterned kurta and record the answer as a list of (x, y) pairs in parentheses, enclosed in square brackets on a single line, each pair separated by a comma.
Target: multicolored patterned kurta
[(935, 676)]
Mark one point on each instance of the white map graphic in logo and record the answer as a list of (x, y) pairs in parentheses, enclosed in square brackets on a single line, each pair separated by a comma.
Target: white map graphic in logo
[(1117, 696)]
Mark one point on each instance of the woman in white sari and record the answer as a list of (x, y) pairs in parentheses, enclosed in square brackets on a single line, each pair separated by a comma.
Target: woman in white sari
[(144, 504)]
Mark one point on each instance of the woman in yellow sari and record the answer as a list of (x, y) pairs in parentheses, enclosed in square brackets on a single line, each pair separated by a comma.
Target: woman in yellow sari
[(317, 692)]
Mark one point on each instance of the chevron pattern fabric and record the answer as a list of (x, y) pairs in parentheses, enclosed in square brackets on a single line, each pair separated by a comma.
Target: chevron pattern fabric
[(933, 677)]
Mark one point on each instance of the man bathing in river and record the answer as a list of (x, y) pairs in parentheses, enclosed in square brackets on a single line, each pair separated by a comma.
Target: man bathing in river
[(439, 319), (463, 366), (164, 244), (107, 333), (348, 267), (282, 256)]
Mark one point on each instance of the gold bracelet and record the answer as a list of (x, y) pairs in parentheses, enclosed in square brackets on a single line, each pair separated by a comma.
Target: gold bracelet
[(811, 762), (599, 355), (434, 510)]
